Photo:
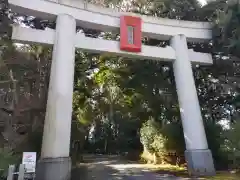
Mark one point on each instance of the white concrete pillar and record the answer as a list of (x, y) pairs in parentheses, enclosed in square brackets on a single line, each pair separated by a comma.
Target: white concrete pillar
[(198, 156), (57, 127), (194, 132)]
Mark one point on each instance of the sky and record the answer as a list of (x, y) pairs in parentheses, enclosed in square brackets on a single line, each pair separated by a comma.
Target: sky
[(203, 2)]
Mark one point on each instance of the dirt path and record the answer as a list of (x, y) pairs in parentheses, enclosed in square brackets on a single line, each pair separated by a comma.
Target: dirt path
[(113, 168)]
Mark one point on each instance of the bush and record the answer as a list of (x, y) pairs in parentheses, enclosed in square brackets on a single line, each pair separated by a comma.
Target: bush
[(232, 145), (166, 144), (175, 140), (151, 137), (160, 142), (215, 138), (6, 159)]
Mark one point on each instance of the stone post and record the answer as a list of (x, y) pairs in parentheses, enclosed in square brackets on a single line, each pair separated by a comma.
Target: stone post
[(198, 156), (21, 172), (11, 171)]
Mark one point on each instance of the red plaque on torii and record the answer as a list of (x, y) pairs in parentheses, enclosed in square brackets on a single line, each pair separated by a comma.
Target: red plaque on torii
[(130, 34)]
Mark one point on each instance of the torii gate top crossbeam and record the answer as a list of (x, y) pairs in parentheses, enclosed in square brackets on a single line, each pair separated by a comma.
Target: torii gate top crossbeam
[(104, 19)]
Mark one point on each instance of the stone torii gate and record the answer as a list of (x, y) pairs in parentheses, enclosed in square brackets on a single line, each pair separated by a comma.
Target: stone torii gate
[(55, 163)]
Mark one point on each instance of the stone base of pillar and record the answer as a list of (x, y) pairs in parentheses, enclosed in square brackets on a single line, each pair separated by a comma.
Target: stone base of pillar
[(200, 162), (54, 169)]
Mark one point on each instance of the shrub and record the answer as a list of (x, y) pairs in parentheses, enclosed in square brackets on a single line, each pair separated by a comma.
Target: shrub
[(232, 144), (160, 142), (6, 159)]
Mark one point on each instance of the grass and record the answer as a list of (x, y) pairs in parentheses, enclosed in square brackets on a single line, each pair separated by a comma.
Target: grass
[(225, 175), (182, 172)]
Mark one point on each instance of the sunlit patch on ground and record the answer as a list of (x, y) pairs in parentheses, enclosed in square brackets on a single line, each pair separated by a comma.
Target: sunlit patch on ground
[(113, 168), (182, 172)]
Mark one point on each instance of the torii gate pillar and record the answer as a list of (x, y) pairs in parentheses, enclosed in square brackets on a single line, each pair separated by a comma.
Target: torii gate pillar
[(55, 163), (198, 156)]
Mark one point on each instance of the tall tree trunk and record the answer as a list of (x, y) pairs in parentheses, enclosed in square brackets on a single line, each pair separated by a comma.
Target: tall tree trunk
[(106, 145)]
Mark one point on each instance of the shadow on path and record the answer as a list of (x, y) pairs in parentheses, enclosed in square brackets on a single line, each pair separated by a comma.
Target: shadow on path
[(113, 168)]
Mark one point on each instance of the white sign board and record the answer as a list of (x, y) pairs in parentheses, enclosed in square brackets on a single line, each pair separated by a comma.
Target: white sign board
[(29, 160)]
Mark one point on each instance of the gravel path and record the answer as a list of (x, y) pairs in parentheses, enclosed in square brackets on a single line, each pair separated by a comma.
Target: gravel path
[(113, 168)]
